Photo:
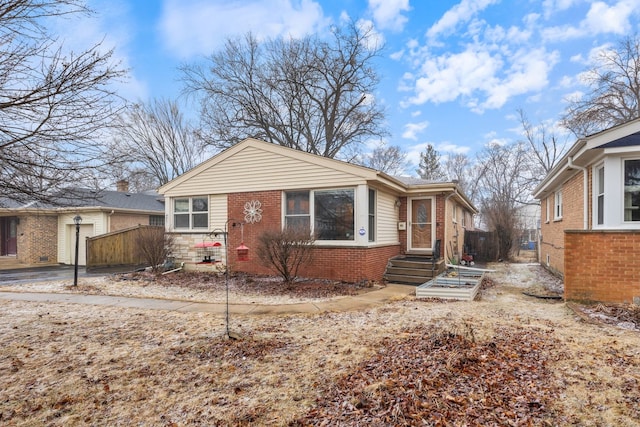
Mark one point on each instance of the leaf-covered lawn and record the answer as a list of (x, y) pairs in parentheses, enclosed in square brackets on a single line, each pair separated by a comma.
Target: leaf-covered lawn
[(505, 359)]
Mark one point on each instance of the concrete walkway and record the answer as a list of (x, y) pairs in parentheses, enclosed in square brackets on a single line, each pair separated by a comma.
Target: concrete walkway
[(348, 303)]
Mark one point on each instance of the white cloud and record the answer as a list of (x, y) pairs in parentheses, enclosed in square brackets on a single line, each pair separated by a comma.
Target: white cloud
[(484, 75), (551, 7), (566, 81), (450, 76), (411, 130), (192, 27), (462, 12), (529, 72), (448, 147), (601, 18), (397, 55), (388, 13), (614, 19)]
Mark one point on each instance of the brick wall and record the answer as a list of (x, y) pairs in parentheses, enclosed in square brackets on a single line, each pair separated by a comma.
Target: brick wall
[(122, 221), (350, 264), (37, 239), (552, 245), (601, 266)]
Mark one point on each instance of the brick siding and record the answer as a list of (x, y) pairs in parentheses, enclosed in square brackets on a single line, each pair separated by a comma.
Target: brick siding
[(37, 239), (552, 244), (601, 266), (122, 221)]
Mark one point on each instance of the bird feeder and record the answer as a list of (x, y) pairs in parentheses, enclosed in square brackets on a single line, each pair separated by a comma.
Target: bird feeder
[(242, 252), (209, 252)]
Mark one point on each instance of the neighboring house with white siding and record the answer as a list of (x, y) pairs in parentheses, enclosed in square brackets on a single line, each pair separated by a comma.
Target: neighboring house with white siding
[(360, 217), (41, 234)]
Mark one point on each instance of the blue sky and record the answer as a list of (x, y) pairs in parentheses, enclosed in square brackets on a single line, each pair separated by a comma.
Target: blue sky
[(453, 73)]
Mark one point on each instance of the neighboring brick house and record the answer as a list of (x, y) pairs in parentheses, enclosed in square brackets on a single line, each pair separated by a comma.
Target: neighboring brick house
[(590, 223), (39, 234), (360, 217)]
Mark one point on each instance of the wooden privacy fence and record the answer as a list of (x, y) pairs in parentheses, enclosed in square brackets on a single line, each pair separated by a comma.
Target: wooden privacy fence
[(482, 245), (116, 249)]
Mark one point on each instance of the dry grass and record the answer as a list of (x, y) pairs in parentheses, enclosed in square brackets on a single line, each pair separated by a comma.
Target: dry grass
[(68, 364)]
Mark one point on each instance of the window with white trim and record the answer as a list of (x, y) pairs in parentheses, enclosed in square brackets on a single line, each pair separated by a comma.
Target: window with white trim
[(454, 213), (547, 205), (632, 190), (557, 205), (372, 215), (330, 211), (599, 191), (191, 213), (297, 211)]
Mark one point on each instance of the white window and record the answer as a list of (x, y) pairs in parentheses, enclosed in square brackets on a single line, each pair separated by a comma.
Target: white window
[(330, 211), (454, 215), (464, 218), (547, 204), (191, 213), (599, 192), (632, 190), (557, 205), (372, 215)]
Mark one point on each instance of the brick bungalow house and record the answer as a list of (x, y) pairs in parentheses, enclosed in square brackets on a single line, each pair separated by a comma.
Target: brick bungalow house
[(34, 234), (590, 224), (361, 217)]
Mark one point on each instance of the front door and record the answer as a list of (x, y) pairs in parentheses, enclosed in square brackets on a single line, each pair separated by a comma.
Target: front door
[(9, 233), (421, 224)]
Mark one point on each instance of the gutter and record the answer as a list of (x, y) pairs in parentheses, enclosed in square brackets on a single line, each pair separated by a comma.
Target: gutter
[(585, 185)]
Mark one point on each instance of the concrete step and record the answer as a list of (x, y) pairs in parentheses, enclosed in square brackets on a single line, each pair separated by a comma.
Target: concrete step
[(401, 278), (407, 271)]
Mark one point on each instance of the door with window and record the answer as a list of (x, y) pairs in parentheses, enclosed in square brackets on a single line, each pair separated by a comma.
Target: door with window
[(421, 224)]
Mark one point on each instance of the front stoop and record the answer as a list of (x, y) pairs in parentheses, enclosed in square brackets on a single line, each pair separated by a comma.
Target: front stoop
[(411, 269)]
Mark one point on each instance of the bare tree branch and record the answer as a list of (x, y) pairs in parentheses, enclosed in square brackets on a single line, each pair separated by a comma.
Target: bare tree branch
[(390, 160), (155, 137), (53, 105), (614, 81), (544, 144), (308, 94)]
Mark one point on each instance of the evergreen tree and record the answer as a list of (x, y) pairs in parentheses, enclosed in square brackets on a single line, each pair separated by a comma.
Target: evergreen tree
[(429, 167)]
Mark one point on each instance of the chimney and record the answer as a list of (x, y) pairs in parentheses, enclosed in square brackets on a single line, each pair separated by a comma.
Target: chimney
[(122, 186)]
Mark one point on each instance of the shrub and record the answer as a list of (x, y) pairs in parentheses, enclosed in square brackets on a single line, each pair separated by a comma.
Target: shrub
[(285, 251), (155, 246)]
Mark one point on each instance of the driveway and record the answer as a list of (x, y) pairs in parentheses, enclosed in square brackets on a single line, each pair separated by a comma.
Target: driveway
[(47, 273)]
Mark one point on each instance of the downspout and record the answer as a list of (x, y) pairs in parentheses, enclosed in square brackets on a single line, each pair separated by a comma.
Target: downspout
[(585, 196), (446, 199)]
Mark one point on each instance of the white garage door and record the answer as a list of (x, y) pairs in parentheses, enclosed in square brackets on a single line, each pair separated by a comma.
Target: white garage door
[(86, 230)]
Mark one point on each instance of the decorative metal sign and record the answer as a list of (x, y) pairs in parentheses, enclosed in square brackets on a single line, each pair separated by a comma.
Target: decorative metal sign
[(252, 212)]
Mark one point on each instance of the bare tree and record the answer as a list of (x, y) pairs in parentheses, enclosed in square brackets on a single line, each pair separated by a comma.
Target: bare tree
[(388, 159), (155, 141), (614, 97), (458, 167), (430, 167), (309, 94), (506, 181), (546, 147), (53, 104)]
